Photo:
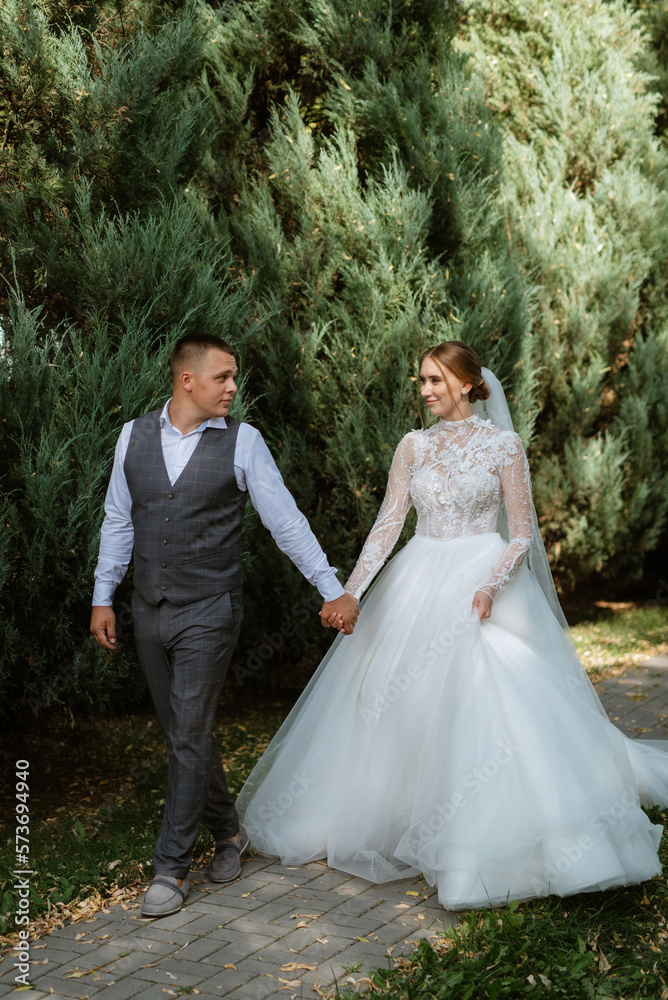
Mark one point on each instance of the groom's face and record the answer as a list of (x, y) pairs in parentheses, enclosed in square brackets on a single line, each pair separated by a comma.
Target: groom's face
[(212, 385)]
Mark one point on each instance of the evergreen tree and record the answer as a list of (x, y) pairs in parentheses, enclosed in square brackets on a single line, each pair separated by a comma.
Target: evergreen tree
[(368, 213), (653, 59), (107, 256), (332, 188), (584, 190)]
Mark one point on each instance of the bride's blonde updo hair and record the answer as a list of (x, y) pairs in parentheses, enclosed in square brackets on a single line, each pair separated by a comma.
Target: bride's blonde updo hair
[(464, 364)]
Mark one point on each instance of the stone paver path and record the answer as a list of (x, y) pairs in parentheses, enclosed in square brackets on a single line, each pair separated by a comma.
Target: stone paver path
[(276, 931), (637, 700)]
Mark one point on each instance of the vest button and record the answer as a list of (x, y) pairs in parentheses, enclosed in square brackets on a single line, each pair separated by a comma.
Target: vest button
[(166, 519), (170, 496), (164, 565), (163, 588), (164, 541)]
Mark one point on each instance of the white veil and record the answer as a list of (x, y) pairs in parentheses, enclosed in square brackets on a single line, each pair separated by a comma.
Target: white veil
[(496, 409)]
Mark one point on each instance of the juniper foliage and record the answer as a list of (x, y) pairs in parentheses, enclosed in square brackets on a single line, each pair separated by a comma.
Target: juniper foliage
[(585, 195), (332, 188)]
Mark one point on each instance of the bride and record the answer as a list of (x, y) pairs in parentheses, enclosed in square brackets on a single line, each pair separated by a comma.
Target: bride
[(456, 733)]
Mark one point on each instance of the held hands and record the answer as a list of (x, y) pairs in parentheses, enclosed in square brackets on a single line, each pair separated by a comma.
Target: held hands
[(482, 603), (103, 626), (341, 613)]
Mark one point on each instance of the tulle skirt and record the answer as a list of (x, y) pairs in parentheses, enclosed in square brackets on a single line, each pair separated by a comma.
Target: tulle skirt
[(475, 752)]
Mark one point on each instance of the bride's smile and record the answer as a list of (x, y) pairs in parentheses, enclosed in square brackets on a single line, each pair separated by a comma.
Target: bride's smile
[(445, 394)]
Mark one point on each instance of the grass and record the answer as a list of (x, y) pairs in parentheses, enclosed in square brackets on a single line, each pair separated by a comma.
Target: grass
[(617, 634), (96, 798), (598, 945), (96, 805)]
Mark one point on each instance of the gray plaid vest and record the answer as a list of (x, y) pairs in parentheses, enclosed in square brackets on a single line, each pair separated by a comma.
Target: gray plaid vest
[(187, 537)]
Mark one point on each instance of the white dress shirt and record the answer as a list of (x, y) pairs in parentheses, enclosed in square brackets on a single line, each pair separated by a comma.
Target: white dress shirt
[(255, 471)]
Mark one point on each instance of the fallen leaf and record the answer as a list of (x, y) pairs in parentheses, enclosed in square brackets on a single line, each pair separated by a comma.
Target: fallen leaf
[(311, 916), (170, 974), (410, 892), (230, 966), (171, 992), (401, 906), (291, 983), (292, 966), (362, 939), (244, 894)]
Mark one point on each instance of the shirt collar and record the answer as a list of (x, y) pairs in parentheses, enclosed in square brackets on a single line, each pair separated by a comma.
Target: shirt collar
[(211, 422)]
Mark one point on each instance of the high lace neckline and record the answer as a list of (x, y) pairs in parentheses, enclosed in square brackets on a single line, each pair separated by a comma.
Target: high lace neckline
[(455, 423)]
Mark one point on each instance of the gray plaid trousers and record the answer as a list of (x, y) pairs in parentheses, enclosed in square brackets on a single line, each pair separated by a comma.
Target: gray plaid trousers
[(184, 652)]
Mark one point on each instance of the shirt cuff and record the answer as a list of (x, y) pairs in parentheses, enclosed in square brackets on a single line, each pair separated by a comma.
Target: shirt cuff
[(103, 595), (330, 588)]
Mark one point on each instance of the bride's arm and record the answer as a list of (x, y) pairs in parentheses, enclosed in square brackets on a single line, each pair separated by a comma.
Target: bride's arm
[(387, 527), (516, 485)]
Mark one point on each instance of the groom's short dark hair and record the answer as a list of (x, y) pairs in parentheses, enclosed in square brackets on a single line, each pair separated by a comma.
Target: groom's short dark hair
[(193, 347)]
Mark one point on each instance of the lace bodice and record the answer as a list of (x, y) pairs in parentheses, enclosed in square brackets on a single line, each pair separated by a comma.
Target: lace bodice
[(456, 474)]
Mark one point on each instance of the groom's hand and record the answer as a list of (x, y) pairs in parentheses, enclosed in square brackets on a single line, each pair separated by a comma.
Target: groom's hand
[(103, 626), (342, 613)]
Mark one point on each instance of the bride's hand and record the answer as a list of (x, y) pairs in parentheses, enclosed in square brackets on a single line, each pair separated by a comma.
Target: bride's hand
[(482, 603)]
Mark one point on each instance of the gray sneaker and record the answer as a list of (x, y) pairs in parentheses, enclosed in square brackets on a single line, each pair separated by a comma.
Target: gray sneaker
[(164, 896), (226, 864)]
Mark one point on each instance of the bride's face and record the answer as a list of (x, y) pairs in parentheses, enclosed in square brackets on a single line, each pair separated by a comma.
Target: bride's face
[(442, 391)]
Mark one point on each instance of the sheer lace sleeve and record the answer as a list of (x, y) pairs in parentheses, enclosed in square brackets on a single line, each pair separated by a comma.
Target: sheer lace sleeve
[(391, 516), (516, 485)]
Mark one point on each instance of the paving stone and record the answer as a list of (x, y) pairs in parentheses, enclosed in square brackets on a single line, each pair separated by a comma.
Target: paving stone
[(330, 879), (252, 918), (55, 958), (193, 951), (240, 944), (67, 987), (279, 912), (225, 981), (172, 973), (301, 938), (124, 989), (156, 932), (153, 991), (267, 970), (248, 925), (237, 901), (259, 988), (317, 953), (150, 947), (201, 923), (29, 994)]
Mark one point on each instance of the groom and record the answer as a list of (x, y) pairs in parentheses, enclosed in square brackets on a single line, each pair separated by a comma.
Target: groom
[(175, 503)]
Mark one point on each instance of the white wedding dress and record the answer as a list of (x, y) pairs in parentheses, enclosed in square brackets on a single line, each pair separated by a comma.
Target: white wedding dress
[(474, 751)]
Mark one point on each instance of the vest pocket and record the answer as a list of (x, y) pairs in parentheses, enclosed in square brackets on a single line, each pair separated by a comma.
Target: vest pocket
[(216, 557)]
